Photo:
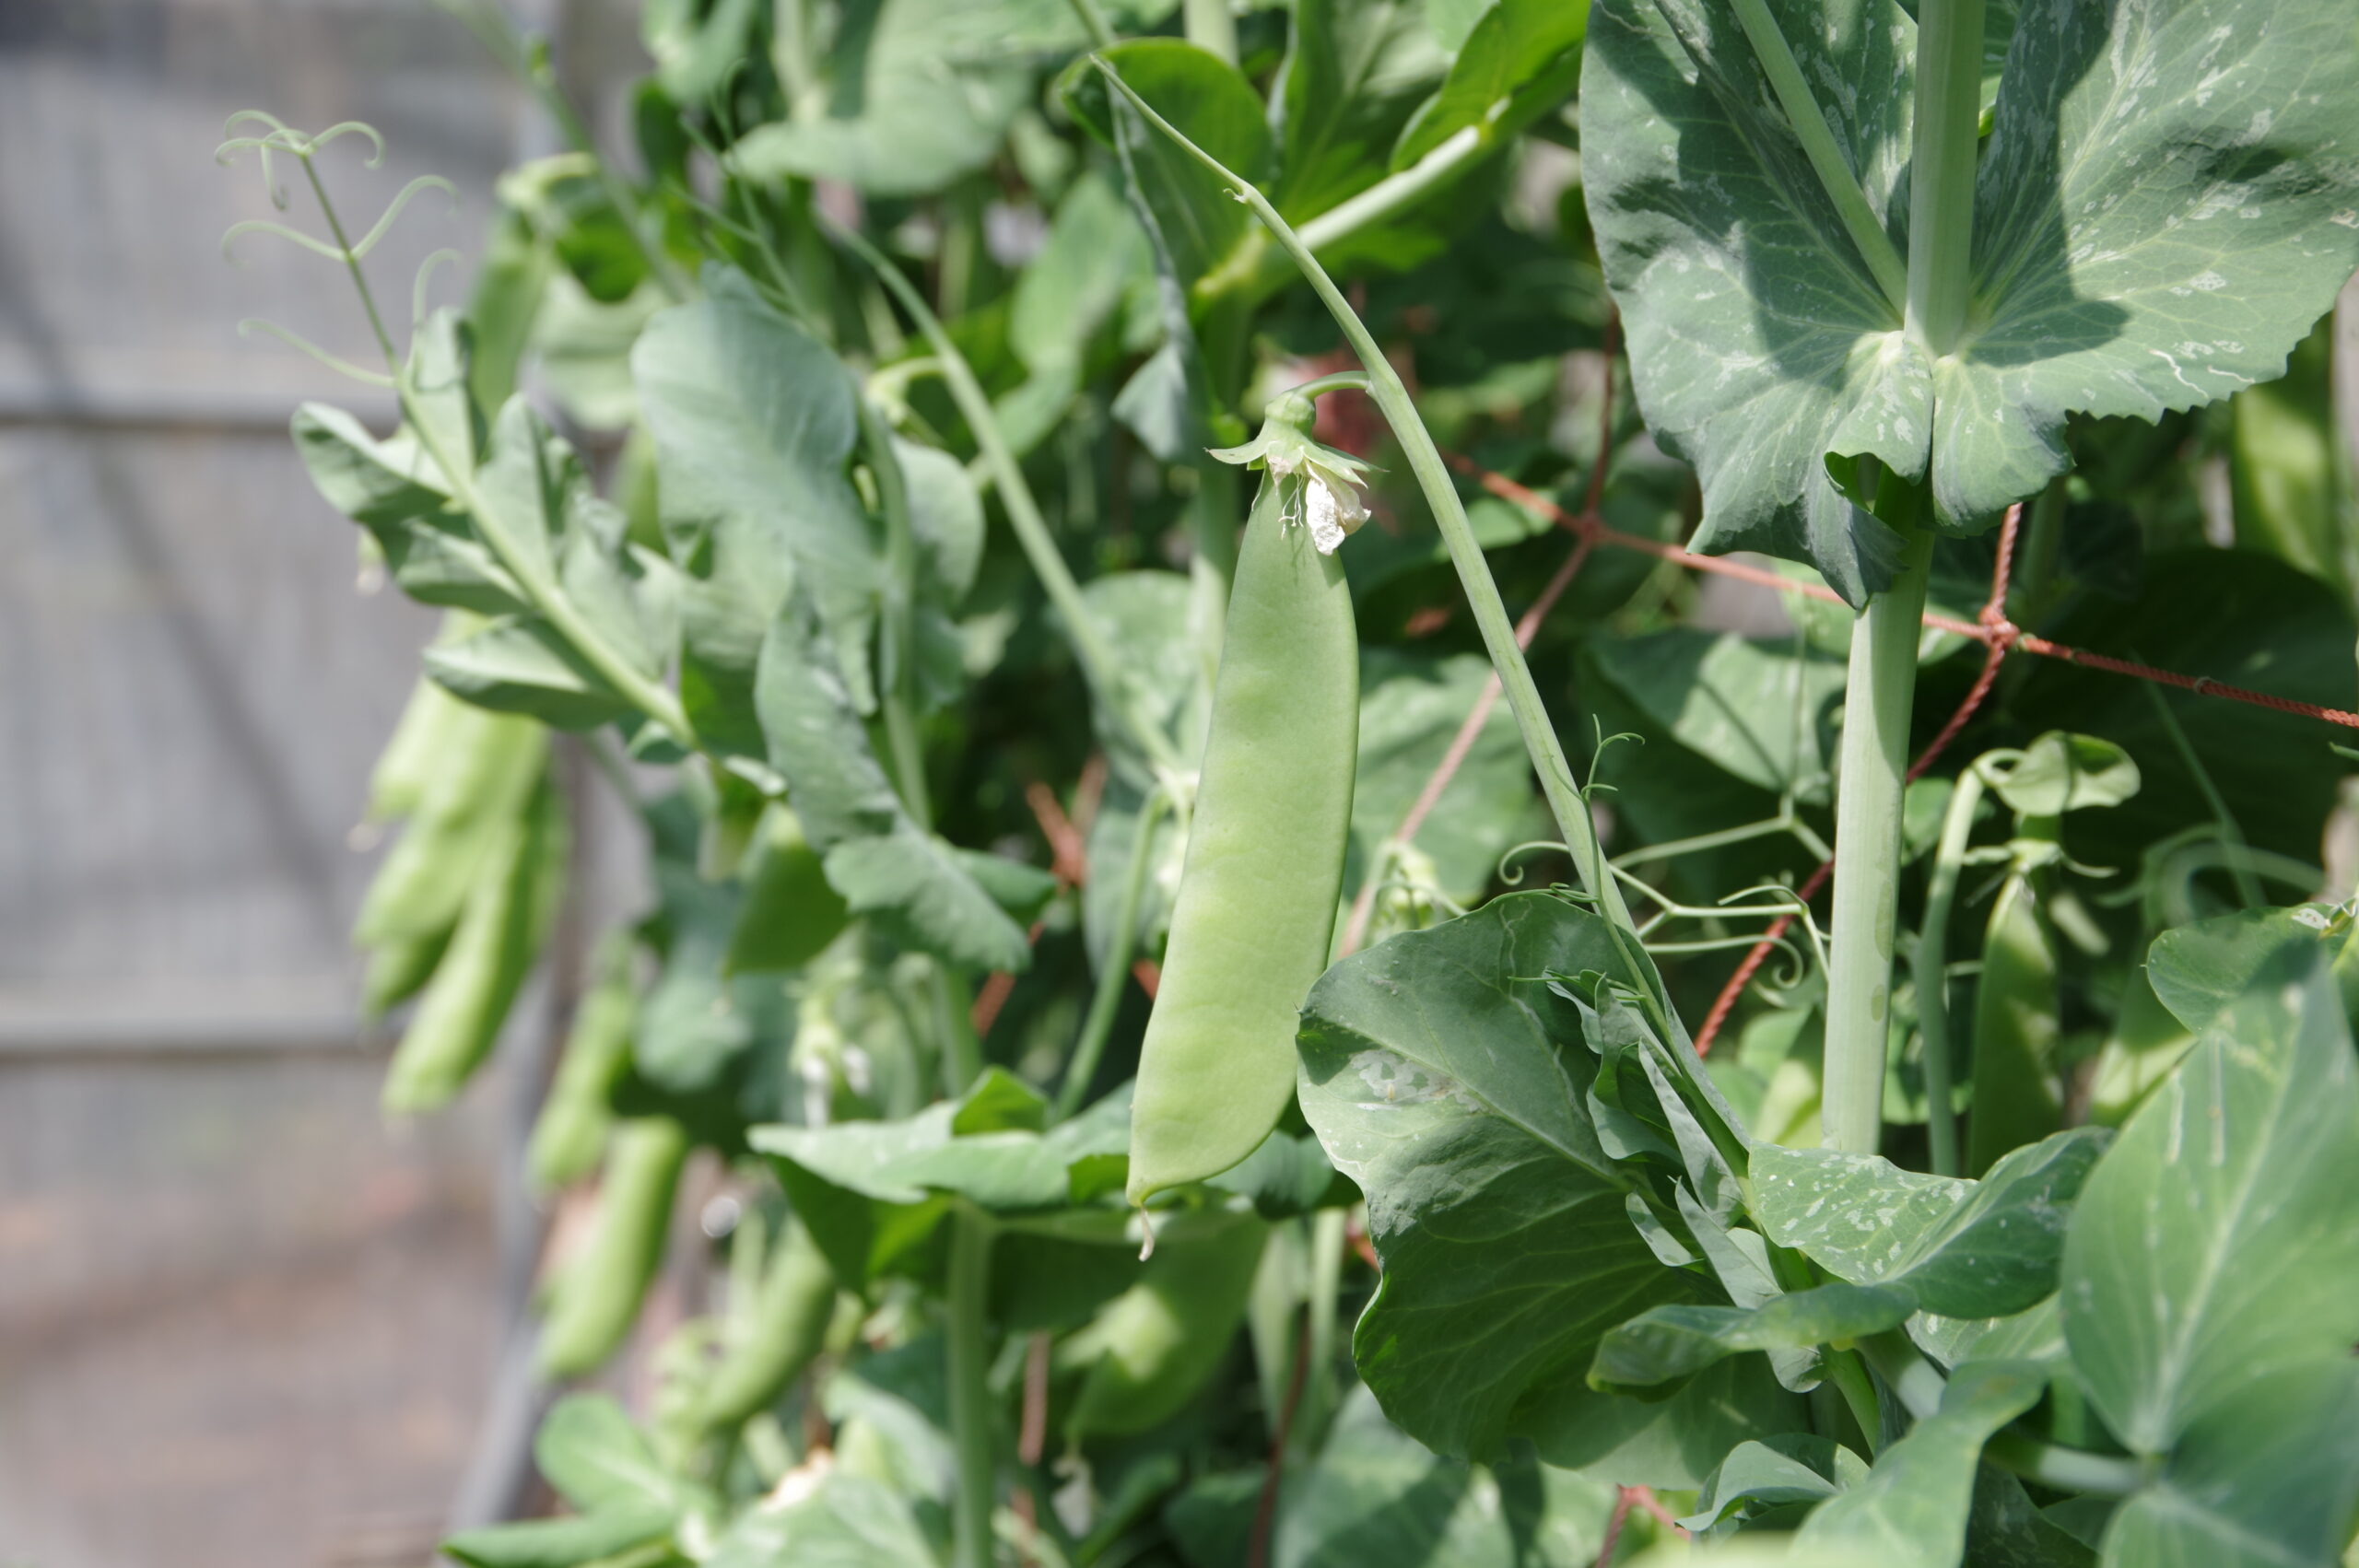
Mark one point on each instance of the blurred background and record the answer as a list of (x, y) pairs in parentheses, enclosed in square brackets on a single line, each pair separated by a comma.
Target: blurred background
[(242, 1319)]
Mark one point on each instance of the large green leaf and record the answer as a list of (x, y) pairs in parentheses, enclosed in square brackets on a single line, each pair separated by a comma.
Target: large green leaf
[(2212, 1246), (753, 421), (1447, 1080), (2199, 971), (1985, 1248), (2268, 1479), (588, 1449), (919, 92), (1759, 340), (876, 855), (2165, 207), (1912, 1508), (2170, 198), (1790, 1468)]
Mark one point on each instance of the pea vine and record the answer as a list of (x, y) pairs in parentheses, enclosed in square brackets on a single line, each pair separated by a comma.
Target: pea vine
[(1172, 1004)]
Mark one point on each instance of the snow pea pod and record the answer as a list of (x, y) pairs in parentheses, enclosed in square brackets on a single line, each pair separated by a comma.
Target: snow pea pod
[(484, 773), (597, 1300), (2014, 1030), (1256, 908), (498, 938), (570, 1131), (774, 1338)]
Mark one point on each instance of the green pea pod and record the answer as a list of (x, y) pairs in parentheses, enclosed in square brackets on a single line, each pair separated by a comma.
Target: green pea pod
[(1264, 869), (1158, 1343), (498, 935), (487, 768), (597, 1299), (774, 1338), (2014, 1030), (570, 1132), (399, 968), (790, 912), (406, 768)]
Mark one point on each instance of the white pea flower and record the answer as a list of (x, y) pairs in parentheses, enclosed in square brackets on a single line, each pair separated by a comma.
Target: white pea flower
[(1326, 482)]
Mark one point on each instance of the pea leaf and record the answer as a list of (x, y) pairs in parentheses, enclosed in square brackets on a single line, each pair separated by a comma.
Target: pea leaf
[(1959, 1249), (561, 1543), (1792, 1467), (2269, 1476), (1521, 60), (2199, 971), (875, 855), (2212, 1247), (1758, 710), (753, 421), (920, 92), (1445, 1078), (2165, 205), (521, 664), (846, 1519), (1666, 1344), (1912, 1508), (588, 1449)]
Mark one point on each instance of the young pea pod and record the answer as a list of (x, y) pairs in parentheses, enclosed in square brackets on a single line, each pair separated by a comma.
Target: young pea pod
[(775, 1335), (413, 754), (1264, 869), (790, 912), (498, 935), (486, 771), (595, 1300), (1157, 1343), (570, 1132)]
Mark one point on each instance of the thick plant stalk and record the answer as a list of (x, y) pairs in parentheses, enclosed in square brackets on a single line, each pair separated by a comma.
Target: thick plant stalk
[(1882, 691), (1884, 644)]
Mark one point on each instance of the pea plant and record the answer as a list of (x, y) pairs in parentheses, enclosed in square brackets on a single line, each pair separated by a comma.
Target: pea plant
[(1226, 1047)]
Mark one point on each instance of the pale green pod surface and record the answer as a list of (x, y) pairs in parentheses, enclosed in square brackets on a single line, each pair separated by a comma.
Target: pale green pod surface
[(597, 1300), (1161, 1341), (791, 911), (398, 969), (498, 935), (1264, 867), (570, 1132), (406, 768), (485, 771), (775, 1336)]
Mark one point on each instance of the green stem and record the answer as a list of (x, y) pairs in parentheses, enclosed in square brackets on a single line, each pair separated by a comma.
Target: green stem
[(1850, 1378), (1931, 966), (1824, 153), (1940, 169), (1116, 974), (1093, 22), (650, 697), (1881, 691), (1449, 516), (1395, 192), (1016, 495), (962, 1052), (970, 1414)]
